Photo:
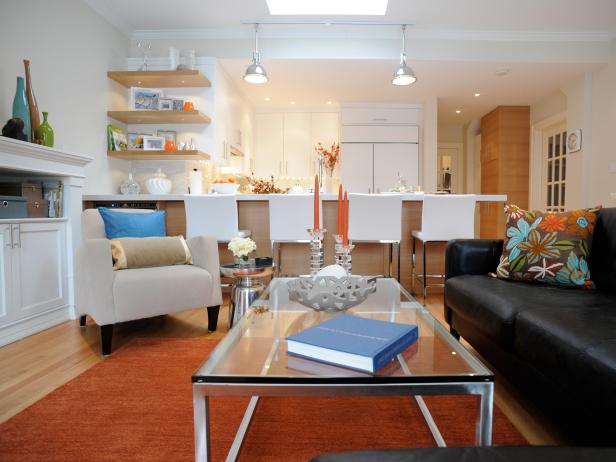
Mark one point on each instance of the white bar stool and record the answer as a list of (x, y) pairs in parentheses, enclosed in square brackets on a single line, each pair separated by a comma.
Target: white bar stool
[(377, 218), (290, 218), (213, 215), (443, 217)]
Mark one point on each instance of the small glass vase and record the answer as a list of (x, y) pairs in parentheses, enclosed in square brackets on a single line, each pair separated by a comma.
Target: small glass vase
[(244, 262), (44, 132), (130, 186)]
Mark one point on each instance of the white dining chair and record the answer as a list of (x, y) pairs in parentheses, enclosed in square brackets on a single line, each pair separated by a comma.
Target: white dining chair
[(377, 218), (213, 215), (290, 218), (443, 217)]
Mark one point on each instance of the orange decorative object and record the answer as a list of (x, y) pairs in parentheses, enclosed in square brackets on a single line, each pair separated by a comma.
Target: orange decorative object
[(340, 207), (189, 106), (170, 145), (316, 202), (345, 230)]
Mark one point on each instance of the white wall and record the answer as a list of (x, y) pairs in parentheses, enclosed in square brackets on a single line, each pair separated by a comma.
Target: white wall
[(450, 133), (71, 48), (552, 104), (429, 144)]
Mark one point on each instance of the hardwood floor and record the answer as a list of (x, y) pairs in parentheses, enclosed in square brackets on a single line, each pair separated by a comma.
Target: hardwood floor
[(37, 365)]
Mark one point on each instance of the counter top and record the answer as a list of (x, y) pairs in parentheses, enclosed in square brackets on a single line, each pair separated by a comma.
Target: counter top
[(259, 197)]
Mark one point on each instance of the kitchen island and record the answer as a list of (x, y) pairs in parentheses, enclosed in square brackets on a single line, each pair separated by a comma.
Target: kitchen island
[(254, 215)]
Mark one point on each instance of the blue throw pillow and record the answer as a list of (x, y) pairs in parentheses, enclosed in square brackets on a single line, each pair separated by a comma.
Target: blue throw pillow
[(126, 224)]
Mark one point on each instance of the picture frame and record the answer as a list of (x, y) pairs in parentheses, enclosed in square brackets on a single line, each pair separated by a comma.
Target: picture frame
[(574, 140), (145, 99), (165, 104), (168, 135), (116, 138), (178, 104), (153, 143), (135, 140)]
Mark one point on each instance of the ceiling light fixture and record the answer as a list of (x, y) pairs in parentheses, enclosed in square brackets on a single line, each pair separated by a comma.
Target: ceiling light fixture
[(403, 75), (255, 73), (329, 102), (458, 111), (267, 98), (292, 102), (477, 95), (328, 7)]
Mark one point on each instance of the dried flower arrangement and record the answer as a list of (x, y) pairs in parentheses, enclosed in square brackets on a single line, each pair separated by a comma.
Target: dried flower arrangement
[(330, 158), (265, 186)]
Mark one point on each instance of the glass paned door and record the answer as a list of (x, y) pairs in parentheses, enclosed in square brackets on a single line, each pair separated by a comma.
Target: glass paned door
[(555, 168)]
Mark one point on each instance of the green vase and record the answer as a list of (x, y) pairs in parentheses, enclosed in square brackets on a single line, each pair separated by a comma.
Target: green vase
[(21, 108), (44, 132)]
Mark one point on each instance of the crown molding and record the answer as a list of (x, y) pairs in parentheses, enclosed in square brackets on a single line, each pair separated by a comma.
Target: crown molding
[(372, 32)]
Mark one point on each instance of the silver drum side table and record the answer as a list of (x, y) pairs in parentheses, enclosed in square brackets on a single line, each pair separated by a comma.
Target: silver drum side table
[(246, 288)]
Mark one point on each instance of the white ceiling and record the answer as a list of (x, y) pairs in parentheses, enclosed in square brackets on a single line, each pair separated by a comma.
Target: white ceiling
[(311, 83), (508, 15)]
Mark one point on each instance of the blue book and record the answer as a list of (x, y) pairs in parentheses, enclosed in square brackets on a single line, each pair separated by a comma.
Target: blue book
[(350, 341)]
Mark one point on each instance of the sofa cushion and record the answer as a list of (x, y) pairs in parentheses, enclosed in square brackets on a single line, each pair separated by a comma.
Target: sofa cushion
[(548, 247), (574, 344), (145, 252), (144, 292), (493, 304), (129, 224)]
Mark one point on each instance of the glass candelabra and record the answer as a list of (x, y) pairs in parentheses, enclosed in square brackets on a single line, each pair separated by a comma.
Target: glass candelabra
[(316, 250)]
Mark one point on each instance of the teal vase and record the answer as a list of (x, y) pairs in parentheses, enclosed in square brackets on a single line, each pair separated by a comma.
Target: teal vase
[(21, 108), (44, 132)]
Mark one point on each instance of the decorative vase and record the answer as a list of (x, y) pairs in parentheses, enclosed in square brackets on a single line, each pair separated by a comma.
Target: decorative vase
[(130, 186), (244, 262), (35, 119), (21, 108), (44, 132), (158, 183)]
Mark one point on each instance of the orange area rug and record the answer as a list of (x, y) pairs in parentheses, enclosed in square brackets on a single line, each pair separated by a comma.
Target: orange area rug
[(136, 405)]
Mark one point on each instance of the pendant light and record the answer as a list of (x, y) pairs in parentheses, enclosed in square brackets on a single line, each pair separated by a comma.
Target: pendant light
[(403, 75), (255, 73)]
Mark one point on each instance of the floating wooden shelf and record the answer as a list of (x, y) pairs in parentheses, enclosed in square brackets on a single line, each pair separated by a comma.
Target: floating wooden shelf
[(140, 154), (160, 79), (160, 117)]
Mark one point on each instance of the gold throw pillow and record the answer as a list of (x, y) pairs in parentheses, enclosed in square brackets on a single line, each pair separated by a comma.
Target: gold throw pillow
[(144, 252)]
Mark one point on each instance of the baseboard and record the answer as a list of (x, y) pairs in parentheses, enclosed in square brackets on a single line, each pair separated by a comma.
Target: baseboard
[(32, 325)]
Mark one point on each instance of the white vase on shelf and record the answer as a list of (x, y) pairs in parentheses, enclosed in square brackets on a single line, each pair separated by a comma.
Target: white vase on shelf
[(158, 183)]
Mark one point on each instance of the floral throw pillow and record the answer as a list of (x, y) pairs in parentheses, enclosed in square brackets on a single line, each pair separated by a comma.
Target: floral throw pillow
[(548, 247)]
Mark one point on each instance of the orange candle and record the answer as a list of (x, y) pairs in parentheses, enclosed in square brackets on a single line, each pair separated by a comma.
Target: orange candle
[(340, 206), (316, 202), (345, 230)]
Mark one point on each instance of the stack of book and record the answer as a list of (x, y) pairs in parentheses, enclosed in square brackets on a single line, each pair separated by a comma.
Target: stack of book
[(353, 342)]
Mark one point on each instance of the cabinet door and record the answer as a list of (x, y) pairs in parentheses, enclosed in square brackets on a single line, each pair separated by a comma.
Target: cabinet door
[(391, 159), (39, 266), (297, 148), (325, 129), (268, 145), (6, 286), (356, 167)]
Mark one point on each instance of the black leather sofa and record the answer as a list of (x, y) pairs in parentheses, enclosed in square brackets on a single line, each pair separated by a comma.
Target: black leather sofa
[(556, 344), (494, 454)]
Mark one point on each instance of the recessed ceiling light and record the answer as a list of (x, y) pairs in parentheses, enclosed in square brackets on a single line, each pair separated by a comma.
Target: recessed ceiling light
[(327, 7), (267, 98), (329, 102), (477, 94), (292, 102), (458, 111)]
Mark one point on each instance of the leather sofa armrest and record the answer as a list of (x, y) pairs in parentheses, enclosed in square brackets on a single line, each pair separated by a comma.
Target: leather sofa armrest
[(472, 256), (204, 251)]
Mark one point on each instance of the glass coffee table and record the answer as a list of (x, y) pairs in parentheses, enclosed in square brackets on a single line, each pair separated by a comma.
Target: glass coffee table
[(252, 361)]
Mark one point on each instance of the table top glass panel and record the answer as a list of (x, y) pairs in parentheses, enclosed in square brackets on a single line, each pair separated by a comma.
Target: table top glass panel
[(255, 349)]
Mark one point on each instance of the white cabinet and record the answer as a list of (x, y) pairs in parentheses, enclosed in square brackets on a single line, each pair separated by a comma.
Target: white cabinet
[(34, 277), (380, 115), (374, 167), (393, 159), (356, 167), (296, 143), (268, 145), (285, 142)]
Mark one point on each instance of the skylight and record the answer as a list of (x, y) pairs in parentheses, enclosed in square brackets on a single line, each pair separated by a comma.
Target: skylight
[(327, 7)]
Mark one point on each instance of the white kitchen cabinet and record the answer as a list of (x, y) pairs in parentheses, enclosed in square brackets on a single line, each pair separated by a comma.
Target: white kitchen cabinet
[(285, 142), (34, 276), (380, 115), (269, 145), (393, 159), (296, 144), (356, 167), (380, 134)]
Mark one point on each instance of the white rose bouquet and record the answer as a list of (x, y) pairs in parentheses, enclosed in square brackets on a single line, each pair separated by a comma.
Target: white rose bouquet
[(242, 247)]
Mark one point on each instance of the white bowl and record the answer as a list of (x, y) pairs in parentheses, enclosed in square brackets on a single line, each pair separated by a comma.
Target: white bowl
[(158, 185), (225, 188)]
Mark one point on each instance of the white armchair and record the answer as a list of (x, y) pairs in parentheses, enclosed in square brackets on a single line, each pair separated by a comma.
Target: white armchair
[(110, 297)]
